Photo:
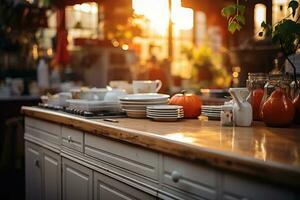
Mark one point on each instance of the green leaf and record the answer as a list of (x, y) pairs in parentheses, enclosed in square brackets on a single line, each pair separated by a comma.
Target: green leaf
[(264, 25), (241, 19), (293, 5), (241, 9), (234, 26), (228, 11)]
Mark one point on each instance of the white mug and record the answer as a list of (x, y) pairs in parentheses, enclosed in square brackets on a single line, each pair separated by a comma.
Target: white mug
[(146, 86)]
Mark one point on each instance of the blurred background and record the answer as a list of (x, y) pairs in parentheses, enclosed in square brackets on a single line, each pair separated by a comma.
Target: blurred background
[(49, 46)]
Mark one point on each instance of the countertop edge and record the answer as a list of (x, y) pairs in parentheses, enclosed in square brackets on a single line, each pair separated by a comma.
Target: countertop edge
[(269, 171)]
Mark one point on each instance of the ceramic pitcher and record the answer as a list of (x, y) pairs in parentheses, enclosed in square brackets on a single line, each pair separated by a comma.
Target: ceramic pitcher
[(242, 109)]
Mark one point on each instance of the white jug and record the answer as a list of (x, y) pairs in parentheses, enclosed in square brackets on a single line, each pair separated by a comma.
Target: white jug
[(242, 109)]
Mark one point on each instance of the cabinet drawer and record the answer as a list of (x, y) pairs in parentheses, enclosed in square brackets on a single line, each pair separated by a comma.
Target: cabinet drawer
[(188, 178), (72, 138), (43, 131), (129, 157), (235, 188)]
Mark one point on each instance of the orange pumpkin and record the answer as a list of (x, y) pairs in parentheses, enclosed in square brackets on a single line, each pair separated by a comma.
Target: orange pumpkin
[(191, 104)]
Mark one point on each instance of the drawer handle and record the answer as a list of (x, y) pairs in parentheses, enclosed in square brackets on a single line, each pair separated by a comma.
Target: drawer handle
[(175, 175), (69, 139), (37, 163)]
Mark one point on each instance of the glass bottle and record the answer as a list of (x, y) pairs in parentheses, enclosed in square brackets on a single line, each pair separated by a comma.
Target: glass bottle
[(255, 84)]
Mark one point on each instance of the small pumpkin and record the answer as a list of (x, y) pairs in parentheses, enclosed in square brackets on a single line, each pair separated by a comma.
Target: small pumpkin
[(191, 104)]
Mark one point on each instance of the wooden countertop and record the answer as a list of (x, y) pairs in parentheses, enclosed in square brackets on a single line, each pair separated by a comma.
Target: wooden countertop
[(272, 154)]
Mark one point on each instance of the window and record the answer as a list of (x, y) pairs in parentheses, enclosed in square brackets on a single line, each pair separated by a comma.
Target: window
[(260, 15)]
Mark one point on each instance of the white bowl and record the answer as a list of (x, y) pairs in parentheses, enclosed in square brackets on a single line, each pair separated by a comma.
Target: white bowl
[(114, 95), (94, 94)]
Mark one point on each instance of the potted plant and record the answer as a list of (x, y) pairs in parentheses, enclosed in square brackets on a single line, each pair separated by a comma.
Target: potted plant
[(207, 70), (285, 33)]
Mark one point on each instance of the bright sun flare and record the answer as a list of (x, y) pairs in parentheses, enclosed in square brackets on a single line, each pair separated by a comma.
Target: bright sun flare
[(158, 14)]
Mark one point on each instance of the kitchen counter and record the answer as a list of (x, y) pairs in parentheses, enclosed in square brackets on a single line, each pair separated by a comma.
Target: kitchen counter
[(272, 154)]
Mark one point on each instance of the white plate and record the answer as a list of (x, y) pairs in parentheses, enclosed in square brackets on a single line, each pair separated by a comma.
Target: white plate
[(164, 107), (133, 107), (145, 97), (165, 112), (155, 117), (160, 102), (165, 116)]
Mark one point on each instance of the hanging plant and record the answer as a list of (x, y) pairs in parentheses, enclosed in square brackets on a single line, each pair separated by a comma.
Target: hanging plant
[(285, 33)]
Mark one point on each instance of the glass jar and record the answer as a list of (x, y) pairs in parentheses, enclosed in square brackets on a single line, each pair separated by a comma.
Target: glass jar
[(255, 85), (276, 81), (256, 80), (293, 88)]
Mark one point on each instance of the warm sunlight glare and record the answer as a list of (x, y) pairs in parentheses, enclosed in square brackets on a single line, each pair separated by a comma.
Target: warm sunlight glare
[(182, 17), (260, 15), (158, 14)]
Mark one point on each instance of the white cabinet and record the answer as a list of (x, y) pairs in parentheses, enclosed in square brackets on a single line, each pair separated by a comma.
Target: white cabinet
[(51, 171), (65, 163), (186, 179), (77, 181), (235, 188), (43, 175), (33, 174), (106, 188)]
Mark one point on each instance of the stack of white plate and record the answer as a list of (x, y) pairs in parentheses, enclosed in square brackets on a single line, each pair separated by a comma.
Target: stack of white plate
[(211, 111), (165, 112), (135, 104)]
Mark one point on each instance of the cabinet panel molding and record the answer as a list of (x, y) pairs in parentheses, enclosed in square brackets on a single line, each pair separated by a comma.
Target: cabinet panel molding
[(77, 181)]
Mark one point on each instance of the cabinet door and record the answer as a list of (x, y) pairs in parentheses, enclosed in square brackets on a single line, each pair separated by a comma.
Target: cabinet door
[(106, 188), (77, 181), (33, 172), (51, 175)]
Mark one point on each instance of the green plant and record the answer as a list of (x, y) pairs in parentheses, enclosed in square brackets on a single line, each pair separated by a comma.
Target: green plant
[(207, 70), (285, 33)]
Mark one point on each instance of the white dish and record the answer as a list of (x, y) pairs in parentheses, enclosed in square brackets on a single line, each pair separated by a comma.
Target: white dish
[(136, 114), (145, 97), (134, 107), (171, 113), (165, 116), (145, 103), (168, 112), (164, 107), (155, 117)]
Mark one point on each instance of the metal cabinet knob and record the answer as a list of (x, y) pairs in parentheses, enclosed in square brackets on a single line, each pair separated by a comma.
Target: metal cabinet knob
[(69, 139), (175, 175), (37, 163)]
